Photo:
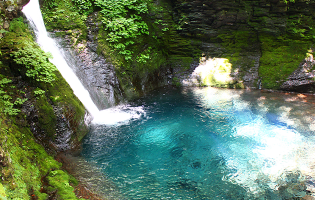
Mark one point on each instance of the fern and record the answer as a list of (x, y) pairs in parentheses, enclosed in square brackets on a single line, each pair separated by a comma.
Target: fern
[(36, 62)]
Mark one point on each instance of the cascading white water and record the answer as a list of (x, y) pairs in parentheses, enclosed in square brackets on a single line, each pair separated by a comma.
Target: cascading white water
[(33, 14), (110, 116)]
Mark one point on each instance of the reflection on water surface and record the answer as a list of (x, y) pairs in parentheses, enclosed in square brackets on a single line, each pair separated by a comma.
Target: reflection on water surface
[(207, 143)]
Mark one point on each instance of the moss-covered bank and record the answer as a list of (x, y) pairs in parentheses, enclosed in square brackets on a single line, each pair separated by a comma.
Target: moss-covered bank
[(37, 106)]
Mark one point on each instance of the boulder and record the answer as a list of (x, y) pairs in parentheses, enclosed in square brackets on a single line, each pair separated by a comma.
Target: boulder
[(302, 79)]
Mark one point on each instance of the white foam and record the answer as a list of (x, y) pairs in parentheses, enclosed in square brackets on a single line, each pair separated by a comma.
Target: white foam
[(118, 115)]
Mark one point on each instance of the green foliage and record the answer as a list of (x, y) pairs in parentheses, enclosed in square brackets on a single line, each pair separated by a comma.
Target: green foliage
[(301, 27), (144, 56), (85, 6), (123, 22), (286, 1), (64, 16), (3, 31), (36, 62), (51, 3), (137, 36), (176, 82), (39, 92), (24, 51), (17, 25), (7, 104)]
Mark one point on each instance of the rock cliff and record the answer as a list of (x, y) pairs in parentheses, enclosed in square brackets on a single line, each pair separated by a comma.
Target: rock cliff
[(265, 41), (262, 44)]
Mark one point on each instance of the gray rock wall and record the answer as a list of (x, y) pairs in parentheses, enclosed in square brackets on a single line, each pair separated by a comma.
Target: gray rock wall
[(236, 30)]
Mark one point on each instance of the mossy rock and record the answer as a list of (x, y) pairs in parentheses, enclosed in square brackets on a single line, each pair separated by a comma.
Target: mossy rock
[(25, 162), (280, 57), (46, 116), (62, 15), (59, 180), (3, 195), (61, 95)]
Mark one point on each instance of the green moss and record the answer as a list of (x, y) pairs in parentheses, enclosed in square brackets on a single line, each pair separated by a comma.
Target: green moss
[(176, 82), (280, 57), (238, 46), (236, 54), (237, 41), (63, 15), (181, 61), (25, 162), (3, 195), (59, 180), (46, 116), (62, 96)]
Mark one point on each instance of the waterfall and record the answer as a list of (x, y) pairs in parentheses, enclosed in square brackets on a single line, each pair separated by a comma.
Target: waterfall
[(111, 116), (34, 15)]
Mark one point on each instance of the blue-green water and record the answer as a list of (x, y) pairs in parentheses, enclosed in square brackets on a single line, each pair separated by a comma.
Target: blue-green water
[(206, 143)]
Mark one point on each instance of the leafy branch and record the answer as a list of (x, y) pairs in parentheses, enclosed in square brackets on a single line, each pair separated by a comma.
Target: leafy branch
[(36, 62), (7, 105), (122, 19)]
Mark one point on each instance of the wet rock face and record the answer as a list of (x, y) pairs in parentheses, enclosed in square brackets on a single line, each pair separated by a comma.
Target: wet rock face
[(208, 18), (64, 130), (233, 29), (100, 73), (94, 71)]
